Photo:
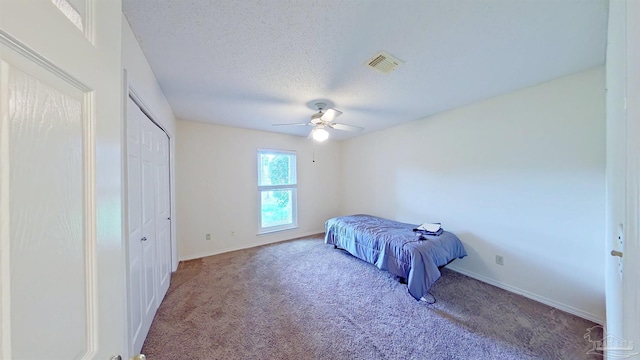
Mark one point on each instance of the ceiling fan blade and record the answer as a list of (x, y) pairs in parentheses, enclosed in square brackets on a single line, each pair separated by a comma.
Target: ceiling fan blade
[(330, 115), (294, 124), (345, 127)]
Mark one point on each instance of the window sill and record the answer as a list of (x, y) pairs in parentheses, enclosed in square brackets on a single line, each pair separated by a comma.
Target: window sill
[(267, 232)]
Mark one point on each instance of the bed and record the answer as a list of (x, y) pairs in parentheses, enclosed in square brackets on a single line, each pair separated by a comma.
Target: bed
[(394, 246)]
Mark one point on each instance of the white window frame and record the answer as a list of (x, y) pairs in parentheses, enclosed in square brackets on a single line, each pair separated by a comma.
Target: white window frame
[(292, 187)]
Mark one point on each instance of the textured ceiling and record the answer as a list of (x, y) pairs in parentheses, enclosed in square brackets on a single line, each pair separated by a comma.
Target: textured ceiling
[(254, 63)]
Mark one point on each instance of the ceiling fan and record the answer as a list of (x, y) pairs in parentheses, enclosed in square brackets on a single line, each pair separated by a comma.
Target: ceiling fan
[(322, 120)]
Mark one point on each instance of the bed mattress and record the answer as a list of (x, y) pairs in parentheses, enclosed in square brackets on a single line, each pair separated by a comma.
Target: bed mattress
[(394, 246)]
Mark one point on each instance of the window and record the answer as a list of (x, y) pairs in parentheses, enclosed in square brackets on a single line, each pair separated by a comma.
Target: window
[(277, 187)]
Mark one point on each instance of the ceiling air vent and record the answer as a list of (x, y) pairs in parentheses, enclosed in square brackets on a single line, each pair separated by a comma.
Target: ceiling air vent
[(383, 62)]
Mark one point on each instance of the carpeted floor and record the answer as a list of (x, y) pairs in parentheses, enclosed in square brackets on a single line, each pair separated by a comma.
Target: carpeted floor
[(302, 299)]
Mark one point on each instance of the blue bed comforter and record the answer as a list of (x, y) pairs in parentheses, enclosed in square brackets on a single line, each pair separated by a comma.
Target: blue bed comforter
[(393, 246)]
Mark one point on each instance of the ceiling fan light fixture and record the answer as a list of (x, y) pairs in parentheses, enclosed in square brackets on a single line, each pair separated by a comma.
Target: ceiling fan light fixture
[(317, 117), (320, 134), (322, 120)]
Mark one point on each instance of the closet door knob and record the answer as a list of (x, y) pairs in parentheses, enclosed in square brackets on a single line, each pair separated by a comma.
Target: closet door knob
[(144, 238)]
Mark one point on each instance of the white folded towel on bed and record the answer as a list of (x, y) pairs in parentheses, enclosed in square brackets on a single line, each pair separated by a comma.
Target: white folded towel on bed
[(429, 227)]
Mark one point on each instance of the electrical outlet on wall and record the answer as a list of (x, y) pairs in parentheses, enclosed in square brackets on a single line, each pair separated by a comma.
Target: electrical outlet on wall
[(499, 260), (208, 237)]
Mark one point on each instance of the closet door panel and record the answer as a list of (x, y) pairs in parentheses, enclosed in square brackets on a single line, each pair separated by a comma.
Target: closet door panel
[(134, 209), (149, 211), (163, 213), (148, 218), (142, 232)]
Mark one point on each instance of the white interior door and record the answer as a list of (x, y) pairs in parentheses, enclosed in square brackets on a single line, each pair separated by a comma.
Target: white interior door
[(616, 164), (62, 260), (163, 212), (149, 238), (622, 338), (149, 221), (631, 286), (141, 292)]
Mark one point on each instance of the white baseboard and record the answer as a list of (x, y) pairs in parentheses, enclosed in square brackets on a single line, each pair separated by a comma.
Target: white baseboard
[(246, 246), (560, 306)]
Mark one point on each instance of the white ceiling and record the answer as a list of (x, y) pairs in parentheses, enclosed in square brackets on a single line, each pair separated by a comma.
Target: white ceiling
[(254, 63)]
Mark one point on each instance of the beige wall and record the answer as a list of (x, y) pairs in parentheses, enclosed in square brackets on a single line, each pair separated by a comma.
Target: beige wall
[(520, 175), (217, 187)]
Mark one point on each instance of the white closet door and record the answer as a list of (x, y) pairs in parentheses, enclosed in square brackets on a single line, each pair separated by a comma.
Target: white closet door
[(149, 223), (141, 307), (163, 213), (149, 238)]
